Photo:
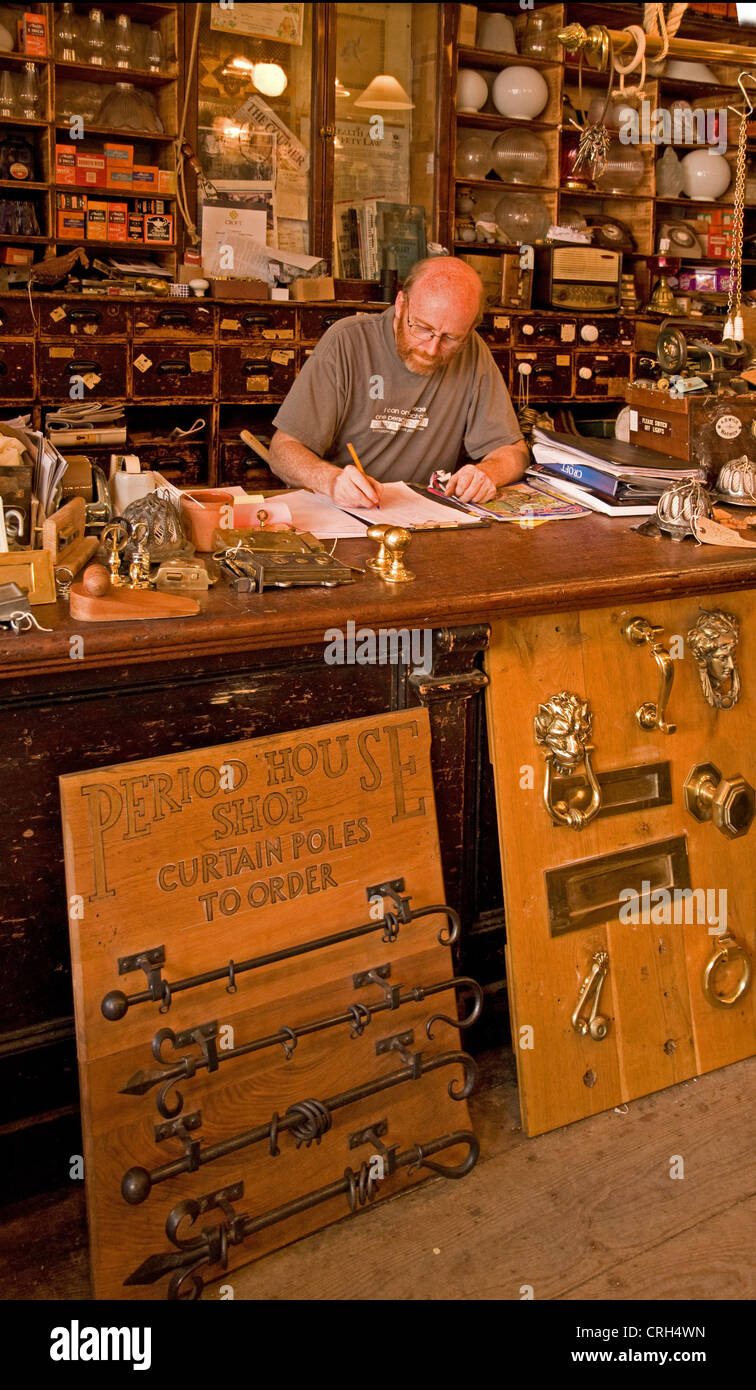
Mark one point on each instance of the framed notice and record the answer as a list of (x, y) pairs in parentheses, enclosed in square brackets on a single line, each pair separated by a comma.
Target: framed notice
[(282, 23)]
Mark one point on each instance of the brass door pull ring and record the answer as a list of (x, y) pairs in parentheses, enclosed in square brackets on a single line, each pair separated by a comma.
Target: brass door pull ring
[(727, 949), (651, 716)]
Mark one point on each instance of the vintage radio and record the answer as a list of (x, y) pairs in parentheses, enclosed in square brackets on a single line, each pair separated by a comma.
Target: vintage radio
[(577, 277), (706, 431)]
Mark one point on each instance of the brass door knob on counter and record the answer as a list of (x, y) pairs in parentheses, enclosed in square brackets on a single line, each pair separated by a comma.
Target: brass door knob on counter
[(562, 729), (728, 802), (638, 631), (382, 560)]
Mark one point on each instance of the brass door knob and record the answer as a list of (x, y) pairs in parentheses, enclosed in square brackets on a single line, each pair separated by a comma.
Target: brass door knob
[(728, 802), (380, 562)]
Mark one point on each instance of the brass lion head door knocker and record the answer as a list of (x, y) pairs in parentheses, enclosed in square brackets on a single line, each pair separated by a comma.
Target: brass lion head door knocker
[(563, 727), (713, 640)]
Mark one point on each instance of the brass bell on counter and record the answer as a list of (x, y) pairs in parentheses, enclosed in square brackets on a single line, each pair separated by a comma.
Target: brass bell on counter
[(737, 482), (679, 505)]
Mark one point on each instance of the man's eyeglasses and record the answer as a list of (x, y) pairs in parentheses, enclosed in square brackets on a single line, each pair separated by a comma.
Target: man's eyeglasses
[(423, 334)]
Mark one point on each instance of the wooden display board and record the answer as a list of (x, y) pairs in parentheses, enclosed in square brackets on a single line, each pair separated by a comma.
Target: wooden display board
[(226, 854), (662, 1027)]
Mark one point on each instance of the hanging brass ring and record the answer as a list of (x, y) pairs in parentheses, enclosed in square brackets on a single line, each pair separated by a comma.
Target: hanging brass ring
[(727, 949)]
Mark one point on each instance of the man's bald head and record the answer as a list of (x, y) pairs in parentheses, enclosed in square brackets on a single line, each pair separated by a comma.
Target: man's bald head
[(448, 277), (437, 309)]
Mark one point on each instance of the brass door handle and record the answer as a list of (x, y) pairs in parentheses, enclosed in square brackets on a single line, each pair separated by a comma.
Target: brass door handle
[(638, 631), (728, 802), (727, 949), (595, 1023), (562, 729)]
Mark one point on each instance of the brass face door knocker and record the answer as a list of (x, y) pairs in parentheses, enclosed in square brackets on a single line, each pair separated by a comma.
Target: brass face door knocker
[(727, 949), (594, 1024), (562, 730), (712, 640)]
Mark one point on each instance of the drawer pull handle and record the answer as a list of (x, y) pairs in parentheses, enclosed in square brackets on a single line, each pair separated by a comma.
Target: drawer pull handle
[(263, 366), (174, 367), (595, 1024), (727, 949), (638, 631), (168, 316), (85, 316), (562, 729), (257, 320), (331, 319), (79, 368)]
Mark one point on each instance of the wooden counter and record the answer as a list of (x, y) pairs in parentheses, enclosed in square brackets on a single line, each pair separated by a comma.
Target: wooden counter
[(254, 665)]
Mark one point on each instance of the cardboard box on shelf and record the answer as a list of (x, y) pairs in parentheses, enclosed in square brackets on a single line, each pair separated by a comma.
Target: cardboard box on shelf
[(90, 169), (16, 255), (32, 35), (321, 287), (227, 289), (158, 228), (117, 221), (119, 165), (97, 219), (72, 224), (65, 164), (166, 181), (144, 178), (135, 226)]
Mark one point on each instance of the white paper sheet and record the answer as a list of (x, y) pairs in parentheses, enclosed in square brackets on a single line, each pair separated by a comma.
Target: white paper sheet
[(400, 506)]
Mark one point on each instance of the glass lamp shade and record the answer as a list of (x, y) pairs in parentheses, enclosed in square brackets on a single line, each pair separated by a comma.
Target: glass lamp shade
[(689, 72), (618, 112), (669, 175), (523, 217), (706, 175), (520, 157), (496, 33), (624, 169), (472, 90), (473, 158), (569, 176), (520, 93)]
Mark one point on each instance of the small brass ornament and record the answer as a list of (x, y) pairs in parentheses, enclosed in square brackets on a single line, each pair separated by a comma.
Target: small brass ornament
[(713, 640), (562, 730)]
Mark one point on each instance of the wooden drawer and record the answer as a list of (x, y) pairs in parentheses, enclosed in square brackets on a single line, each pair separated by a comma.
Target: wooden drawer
[(262, 323), (238, 465), (536, 330), (248, 369), (180, 463), (315, 322), (17, 371), (605, 332), (176, 320), (101, 366), (71, 318), (609, 373), (16, 318), (550, 373), (176, 371), (497, 329)]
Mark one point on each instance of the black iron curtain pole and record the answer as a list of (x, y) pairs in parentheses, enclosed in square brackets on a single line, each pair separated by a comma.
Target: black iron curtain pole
[(308, 1120), (205, 1037), (212, 1246)]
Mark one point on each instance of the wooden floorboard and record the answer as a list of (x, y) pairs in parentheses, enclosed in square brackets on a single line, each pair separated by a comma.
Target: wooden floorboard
[(589, 1212)]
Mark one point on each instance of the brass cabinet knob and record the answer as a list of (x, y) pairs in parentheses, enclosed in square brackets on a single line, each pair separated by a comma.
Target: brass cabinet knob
[(728, 802)]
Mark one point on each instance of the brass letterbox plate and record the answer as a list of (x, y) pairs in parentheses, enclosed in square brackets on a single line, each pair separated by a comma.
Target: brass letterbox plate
[(582, 894), (623, 789)]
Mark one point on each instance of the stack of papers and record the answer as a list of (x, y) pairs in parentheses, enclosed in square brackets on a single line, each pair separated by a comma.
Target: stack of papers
[(606, 475), (400, 506)]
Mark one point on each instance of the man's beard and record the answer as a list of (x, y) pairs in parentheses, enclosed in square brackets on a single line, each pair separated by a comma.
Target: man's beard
[(412, 357)]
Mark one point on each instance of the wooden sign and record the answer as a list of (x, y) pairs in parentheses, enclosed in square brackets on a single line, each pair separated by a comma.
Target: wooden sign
[(236, 864)]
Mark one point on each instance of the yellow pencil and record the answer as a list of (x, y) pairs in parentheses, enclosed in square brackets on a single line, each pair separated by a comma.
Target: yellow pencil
[(357, 464)]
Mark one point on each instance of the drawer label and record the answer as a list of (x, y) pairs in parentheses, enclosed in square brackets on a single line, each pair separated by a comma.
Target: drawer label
[(567, 333), (142, 363), (91, 380), (500, 321), (58, 314), (281, 333), (282, 357), (60, 351), (562, 360), (201, 360), (258, 383), (230, 325)]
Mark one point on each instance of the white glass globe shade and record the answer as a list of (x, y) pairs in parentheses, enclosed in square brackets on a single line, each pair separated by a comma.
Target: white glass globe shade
[(472, 90), (520, 157), (689, 72), (496, 33), (706, 175), (619, 112), (520, 93), (523, 217), (473, 158)]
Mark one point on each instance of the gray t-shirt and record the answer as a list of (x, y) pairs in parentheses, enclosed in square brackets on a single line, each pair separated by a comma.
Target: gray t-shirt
[(355, 388)]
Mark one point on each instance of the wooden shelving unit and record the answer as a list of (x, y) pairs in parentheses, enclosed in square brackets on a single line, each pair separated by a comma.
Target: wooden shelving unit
[(52, 127)]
